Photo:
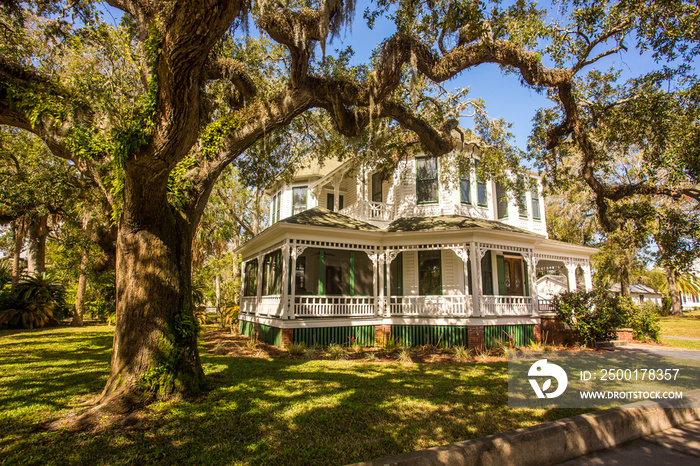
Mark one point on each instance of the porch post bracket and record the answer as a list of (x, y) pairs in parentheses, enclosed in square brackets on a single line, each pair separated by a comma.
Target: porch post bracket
[(391, 255), (462, 253), (298, 251), (481, 252)]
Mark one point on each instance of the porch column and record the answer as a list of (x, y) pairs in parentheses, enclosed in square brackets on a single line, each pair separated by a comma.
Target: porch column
[(258, 291), (293, 282), (588, 280), (571, 275), (475, 254), (242, 293), (379, 278), (532, 270), (285, 280), (389, 256)]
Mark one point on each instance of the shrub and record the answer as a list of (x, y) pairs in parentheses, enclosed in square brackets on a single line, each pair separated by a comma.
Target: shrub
[(335, 351), (644, 322), (404, 356), (462, 353), (593, 316), (296, 349), (33, 304)]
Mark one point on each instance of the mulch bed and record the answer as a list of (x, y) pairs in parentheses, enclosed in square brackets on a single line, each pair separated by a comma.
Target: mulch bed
[(230, 343)]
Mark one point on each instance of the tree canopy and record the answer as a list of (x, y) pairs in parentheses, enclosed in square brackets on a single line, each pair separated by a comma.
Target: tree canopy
[(154, 110)]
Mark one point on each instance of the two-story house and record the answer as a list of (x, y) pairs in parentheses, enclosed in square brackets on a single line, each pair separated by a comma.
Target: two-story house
[(350, 256)]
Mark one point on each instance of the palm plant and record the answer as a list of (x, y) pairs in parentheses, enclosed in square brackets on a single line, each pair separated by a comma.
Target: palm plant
[(33, 303)]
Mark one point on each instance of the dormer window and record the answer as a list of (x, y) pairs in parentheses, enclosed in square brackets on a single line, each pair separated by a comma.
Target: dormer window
[(275, 207), (426, 180), (299, 199), (481, 198), (465, 191), (502, 200), (535, 201), (377, 194)]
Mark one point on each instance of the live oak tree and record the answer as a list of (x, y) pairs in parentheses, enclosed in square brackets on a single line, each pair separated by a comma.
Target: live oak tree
[(156, 109)]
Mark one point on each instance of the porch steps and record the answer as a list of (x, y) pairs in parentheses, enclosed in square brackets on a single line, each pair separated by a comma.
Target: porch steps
[(610, 344)]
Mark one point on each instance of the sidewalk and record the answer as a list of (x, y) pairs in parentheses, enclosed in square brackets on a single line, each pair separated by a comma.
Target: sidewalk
[(679, 446)]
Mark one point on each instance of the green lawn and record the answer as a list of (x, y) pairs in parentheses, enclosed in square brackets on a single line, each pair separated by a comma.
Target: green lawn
[(687, 326), (259, 411)]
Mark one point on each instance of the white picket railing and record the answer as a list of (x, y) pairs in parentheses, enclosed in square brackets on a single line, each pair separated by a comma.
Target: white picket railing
[(270, 306), (333, 306), (496, 306), (370, 210), (431, 306)]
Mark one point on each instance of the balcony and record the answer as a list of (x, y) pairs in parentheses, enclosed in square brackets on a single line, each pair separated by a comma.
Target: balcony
[(370, 210)]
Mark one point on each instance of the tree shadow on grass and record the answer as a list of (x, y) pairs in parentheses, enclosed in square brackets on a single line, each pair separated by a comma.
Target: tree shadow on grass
[(284, 411)]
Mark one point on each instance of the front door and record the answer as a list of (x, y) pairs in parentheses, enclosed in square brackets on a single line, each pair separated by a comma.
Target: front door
[(513, 269)]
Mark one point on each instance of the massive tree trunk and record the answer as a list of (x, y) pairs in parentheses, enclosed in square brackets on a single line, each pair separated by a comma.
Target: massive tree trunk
[(82, 279), (155, 340), (625, 281), (674, 294), (36, 250)]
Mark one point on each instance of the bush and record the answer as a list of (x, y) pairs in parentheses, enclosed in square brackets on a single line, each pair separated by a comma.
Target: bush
[(34, 304), (296, 349), (335, 351), (593, 316), (644, 322)]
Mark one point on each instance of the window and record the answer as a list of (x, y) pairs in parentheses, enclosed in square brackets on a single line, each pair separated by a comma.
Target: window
[(330, 201), (298, 199), (426, 180), (522, 202), (275, 207), (535, 201), (481, 198), (377, 195), (251, 278), (465, 191), (429, 273), (502, 200), (396, 277), (278, 207), (272, 273)]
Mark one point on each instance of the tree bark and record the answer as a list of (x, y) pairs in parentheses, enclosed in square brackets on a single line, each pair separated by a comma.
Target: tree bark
[(155, 340), (674, 294), (625, 281), (36, 250), (82, 279), (18, 232)]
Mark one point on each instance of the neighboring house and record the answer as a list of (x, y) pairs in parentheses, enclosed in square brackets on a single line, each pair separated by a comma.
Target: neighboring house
[(548, 286), (690, 300), (354, 255), (640, 293)]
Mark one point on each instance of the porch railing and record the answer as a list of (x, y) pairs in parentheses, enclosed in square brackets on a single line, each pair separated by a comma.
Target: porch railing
[(333, 306), (270, 306), (431, 306), (506, 306)]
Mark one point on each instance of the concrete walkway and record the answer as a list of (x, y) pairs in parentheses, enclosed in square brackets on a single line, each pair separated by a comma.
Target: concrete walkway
[(679, 446), (681, 338), (663, 351)]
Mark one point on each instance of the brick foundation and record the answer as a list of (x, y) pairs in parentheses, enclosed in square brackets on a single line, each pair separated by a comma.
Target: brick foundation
[(475, 337), (382, 333), (287, 337), (625, 334)]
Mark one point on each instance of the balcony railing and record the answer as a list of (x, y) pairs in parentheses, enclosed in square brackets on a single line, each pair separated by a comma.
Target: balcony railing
[(370, 210), (333, 306), (498, 306), (430, 306)]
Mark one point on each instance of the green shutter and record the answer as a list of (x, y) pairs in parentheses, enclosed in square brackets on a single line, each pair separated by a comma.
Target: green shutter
[(321, 272), (527, 279), (501, 276)]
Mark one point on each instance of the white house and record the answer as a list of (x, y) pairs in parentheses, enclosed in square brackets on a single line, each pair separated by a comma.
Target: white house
[(351, 255), (691, 301), (640, 293)]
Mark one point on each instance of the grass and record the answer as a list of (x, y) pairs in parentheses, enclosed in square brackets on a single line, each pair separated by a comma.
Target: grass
[(687, 326), (259, 411)]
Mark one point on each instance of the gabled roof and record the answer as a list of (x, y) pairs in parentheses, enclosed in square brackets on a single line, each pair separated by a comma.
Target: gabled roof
[(559, 279), (450, 222), (637, 288), (320, 217)]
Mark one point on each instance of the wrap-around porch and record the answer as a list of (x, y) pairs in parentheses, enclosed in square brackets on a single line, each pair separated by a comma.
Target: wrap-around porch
[(303, 279)]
